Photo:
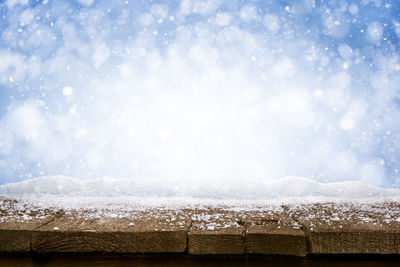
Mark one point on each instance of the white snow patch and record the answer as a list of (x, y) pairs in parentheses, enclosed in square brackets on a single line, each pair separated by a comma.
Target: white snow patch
[(67, 91), (210, 188), (347, 123)]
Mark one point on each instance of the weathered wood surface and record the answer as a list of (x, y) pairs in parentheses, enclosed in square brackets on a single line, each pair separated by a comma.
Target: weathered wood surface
[(137, 232), (283, 230), (216, 232), (16, 224), (274, 233), (343, 229), (269, 231)]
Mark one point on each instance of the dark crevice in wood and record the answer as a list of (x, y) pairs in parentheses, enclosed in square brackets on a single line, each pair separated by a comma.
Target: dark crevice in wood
[(187, 236), (303, 227), (55, 216), (244, 240)]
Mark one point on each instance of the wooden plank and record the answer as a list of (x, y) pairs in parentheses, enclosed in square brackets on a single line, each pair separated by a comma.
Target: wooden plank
[(345, 229), (216, 232), (274, 233), (16, 222), (136, 232), (327, 229)]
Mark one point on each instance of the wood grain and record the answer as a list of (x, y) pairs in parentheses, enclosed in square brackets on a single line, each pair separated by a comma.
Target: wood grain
[(153, 232), (343, 229), (321, 228), (275, 233), (17, 224), (216, 232)]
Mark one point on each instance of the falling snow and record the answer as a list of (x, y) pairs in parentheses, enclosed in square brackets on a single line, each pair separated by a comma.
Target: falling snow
[(194, 89)]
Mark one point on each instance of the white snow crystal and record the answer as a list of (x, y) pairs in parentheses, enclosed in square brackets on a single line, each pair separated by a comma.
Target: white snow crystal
[(345, 51), (26, 17), (222, 19), (248, 13), (67, 91), (374, 32), (353, 9), (146, 19), (271, 22), (347, 123), (100, 55)]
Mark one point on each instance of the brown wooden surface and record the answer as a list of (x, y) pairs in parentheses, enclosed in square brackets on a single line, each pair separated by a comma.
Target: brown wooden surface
[(16, 224), (343, 229), (288, 230), (148, 232), (275, 233), (216, 232)]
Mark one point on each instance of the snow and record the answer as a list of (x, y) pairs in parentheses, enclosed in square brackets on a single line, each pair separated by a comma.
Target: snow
[(209, 204), (347, 123), (12, 3), (374, 32), (222, 19), (100, 55), (248, 13), (271, 22), (86, 2), (353, 9), (260, 89), (345, 51), (67, 90), (217, 188)]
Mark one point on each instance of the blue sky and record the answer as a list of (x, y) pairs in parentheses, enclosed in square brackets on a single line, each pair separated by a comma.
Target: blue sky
[(252, 89)]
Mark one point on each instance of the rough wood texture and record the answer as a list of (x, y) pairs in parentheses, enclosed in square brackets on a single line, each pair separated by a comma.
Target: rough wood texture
[(16, 222), (14, 240), (275, 233), (216, 232), (344, 229), (147, 232)]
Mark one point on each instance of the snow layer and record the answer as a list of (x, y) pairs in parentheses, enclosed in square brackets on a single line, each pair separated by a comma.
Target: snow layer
[(211, 188)]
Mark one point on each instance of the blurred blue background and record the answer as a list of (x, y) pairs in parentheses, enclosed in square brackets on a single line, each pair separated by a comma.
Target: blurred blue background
[(192, 88)]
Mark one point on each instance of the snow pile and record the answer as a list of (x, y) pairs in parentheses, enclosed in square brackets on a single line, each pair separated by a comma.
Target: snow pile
[(217, 188)]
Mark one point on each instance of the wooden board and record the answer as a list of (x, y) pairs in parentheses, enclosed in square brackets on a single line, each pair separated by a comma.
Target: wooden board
[(322, 228), (345, 229), (16, 223), (216, 232), (274, 233), (138, 232)]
